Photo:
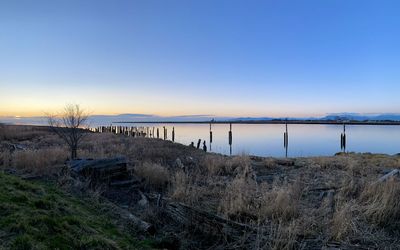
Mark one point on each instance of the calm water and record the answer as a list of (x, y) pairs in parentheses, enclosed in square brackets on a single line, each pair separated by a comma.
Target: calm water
[(304, 140)]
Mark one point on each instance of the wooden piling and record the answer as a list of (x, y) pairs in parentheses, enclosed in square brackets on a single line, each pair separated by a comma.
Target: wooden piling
[(211, 136), (230, 134), (343, 139), (173, 134), (286, 140)]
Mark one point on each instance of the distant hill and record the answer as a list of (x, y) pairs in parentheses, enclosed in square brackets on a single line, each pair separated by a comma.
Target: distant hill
[(97, 120), (362, 117)]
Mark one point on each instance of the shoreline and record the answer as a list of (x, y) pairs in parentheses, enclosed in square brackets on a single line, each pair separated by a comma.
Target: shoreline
[(299, 122)]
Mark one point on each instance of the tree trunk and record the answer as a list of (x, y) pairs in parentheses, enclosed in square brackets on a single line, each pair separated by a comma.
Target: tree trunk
[(74, 153)]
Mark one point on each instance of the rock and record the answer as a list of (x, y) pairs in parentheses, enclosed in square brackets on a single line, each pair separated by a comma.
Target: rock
[(143, 202), (179, 164)]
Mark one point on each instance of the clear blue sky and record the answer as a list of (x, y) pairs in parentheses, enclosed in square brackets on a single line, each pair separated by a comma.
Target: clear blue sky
[(256, 58)]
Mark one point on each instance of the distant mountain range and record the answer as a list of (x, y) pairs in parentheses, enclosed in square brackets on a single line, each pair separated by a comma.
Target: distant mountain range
[(96, 120), (362, 117), (331, 117)]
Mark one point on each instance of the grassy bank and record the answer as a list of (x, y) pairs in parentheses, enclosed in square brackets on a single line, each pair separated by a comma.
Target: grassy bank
[(39, 216)]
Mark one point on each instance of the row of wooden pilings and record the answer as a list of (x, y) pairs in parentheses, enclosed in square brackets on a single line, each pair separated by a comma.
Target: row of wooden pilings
[(152, 132)]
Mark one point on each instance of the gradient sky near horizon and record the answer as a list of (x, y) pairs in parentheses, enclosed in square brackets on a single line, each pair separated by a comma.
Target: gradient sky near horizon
[(213, 57)]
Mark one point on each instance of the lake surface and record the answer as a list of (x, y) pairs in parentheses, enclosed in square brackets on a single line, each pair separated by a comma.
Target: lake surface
[(267, 139)]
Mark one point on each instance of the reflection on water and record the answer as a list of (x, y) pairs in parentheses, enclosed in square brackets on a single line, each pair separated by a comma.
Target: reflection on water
[(268, 139)]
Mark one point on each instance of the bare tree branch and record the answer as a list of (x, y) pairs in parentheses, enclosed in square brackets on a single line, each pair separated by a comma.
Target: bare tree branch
[(70, 125)]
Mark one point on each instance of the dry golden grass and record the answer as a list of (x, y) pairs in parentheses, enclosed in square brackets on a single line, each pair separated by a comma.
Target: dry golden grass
[(155, 175), (42, 161), (20, 133), (281, 202), (191, 189), (5, 159), (214, 164), (283, 236), (381, 203), (239, 197), (181, 186), (343, 221), (222, 165)]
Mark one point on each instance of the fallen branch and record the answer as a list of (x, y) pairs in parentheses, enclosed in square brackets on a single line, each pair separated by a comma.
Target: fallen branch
[(206, 222), (388, 175)]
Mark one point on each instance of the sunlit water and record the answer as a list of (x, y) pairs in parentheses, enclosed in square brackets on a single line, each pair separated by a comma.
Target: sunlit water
[(267, 139)]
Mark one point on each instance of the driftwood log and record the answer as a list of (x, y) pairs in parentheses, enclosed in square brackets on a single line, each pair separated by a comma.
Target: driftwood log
[(204, 221), (81, 165), (392, 173), (112, 171)]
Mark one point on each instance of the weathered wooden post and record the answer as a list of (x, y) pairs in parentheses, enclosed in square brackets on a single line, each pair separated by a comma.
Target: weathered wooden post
[(286, 140), (211, 136), (173, 134), (230, 138), (198, 143), (343, 139), (153, 133)]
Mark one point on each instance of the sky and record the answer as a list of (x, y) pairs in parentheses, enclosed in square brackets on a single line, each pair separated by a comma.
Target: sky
[(209, 57)]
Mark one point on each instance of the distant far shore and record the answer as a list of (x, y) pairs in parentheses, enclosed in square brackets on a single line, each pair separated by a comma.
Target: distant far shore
[(317, 122)]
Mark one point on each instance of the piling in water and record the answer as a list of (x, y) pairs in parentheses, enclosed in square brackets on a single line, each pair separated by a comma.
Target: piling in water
[(343, 139), (286, 141)]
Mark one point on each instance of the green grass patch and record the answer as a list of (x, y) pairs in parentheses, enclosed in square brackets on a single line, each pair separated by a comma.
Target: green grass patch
[(40, 216)]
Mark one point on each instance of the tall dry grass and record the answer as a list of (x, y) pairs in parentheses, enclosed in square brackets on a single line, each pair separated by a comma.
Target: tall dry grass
[(343, 223), (21, 133), (283, 236), (42, 161), (222, 165), (155, 175), (239, 198), (191, 188), (281, 202), (381, 203)]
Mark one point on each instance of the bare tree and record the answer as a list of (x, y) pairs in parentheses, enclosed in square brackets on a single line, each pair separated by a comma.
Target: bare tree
[(70, 126)]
